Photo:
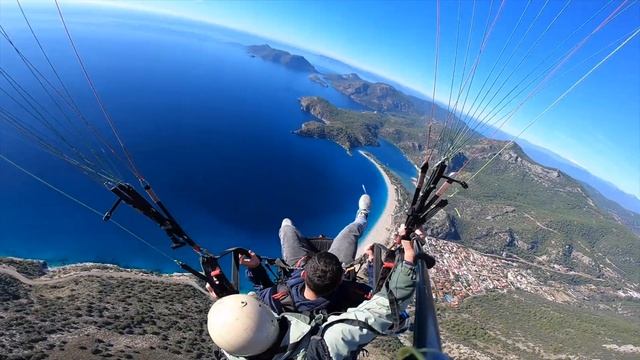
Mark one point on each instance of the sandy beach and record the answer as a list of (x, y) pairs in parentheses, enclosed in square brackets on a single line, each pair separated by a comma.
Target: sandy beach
[(382, 229)]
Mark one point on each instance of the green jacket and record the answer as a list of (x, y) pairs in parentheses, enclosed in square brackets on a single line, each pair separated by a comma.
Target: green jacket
[(337, 338)]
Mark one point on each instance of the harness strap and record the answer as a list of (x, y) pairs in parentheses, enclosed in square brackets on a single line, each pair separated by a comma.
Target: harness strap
[(395, 308), (293, 347), (284, 296), (353, 322), (276, 348)]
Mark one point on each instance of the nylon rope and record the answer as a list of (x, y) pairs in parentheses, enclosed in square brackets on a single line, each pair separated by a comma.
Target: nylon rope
[(94, 174), (86, 206), (132, 165), (22, 92), (561, 62), (468, 81), (493, 68), (44, 53), (38, 76), (517, 67), (69, 98), (31, 102), (552, 105), (465, 79), (488, 77), (498, 108), (451, 114), (487, 35), (492, 112), (441, 147), (435, 80), (464, 130)]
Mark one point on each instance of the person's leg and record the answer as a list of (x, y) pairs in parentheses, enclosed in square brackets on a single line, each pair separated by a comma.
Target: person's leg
[(294, 245), (345, 245)]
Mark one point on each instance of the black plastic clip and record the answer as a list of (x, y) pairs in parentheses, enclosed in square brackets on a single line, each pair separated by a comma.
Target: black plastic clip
[(107, 216), (452, 180)]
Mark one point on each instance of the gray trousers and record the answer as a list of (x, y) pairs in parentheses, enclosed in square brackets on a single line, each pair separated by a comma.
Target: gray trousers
[(344, 246)]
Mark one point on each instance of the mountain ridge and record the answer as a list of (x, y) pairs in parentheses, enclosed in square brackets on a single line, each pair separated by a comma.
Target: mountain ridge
[(550, 158), (553, 219)]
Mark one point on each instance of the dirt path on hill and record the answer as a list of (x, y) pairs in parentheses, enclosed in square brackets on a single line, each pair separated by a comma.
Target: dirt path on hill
[(516, 258), (8, 270)]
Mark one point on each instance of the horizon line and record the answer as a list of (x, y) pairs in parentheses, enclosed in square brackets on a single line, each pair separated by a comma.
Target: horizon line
[(113, 4)]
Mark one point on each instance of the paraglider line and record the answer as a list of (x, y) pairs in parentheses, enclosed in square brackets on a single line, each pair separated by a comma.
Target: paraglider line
[(86, 206), (132, 165)]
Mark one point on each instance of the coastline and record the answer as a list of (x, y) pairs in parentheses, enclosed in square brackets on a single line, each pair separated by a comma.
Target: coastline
[(383, 229), (45, 275), (381, 232)]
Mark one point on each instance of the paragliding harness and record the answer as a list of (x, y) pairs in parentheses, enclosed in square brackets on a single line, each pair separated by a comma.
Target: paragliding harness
[(424, 205), (284, 283), (211, 272), (313, 340)]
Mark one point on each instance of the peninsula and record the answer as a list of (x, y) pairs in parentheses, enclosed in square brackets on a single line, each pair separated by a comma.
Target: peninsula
[(293, 62)]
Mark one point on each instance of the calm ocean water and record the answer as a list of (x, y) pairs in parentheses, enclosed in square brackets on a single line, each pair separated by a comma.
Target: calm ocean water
[(210, 128)]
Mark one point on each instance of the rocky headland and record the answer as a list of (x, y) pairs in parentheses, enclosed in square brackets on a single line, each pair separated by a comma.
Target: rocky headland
[(293, 62)]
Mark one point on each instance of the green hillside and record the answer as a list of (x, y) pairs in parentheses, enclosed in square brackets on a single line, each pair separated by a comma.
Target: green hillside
[(528, 327), (514, 206)]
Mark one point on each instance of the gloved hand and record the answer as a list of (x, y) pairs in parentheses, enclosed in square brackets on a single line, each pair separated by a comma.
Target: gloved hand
[(252, 261)]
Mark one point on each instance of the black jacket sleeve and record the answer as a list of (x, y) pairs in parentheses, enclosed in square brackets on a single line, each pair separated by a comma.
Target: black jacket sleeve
[(259, 277)]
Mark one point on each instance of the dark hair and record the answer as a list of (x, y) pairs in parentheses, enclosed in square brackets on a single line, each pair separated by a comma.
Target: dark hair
[(324, 273)]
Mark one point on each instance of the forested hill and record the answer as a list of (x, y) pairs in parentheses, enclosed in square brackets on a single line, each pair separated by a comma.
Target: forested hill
[(622, 215), (383, 97), (293, 62), (515, 207)]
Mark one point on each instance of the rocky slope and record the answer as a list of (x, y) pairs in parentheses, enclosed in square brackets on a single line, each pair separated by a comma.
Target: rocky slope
[(521, 208), (97, 312)]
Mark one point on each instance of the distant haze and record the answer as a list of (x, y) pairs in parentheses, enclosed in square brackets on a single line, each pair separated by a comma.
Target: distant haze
[(550, 159)]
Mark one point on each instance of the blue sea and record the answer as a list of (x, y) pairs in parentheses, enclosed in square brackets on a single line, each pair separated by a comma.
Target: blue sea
[(209, 126)]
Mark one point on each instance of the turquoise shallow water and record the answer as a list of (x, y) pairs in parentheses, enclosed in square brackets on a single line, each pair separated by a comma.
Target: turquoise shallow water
[(209, 126)]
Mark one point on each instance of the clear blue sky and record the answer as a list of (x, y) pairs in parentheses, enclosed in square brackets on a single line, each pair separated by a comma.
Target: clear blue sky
[(597, 126)]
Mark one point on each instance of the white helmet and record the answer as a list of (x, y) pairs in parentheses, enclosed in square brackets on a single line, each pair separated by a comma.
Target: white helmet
[(241, 325)]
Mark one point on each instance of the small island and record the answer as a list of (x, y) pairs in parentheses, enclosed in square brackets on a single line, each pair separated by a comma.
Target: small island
[(318, 80), (293, 62)]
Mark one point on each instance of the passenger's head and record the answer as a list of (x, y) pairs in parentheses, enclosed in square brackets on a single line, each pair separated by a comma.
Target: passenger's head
[(323, 273), (242, 325)]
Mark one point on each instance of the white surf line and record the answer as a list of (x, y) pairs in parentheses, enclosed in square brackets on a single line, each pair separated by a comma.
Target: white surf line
[(9, 270), (383, 228)]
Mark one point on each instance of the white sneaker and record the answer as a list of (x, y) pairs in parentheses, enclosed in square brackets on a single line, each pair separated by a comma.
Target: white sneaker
[(364, 205), (286, 221)]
